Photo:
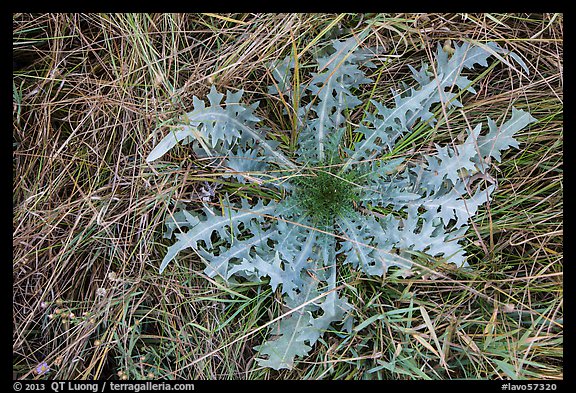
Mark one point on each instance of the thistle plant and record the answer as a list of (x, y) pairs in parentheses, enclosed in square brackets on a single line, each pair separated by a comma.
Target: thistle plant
[(344, 195)]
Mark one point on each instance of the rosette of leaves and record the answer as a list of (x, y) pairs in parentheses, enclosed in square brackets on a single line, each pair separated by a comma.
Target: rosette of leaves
[(339, 199)]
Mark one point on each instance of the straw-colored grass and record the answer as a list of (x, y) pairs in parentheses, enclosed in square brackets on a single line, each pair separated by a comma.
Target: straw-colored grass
[(93, 93)]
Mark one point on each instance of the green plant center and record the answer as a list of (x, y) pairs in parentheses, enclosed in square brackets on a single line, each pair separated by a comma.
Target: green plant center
[(324, 196)]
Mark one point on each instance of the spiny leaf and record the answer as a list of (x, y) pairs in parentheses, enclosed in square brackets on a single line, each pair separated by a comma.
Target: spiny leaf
[(501, 138), (203, 230)]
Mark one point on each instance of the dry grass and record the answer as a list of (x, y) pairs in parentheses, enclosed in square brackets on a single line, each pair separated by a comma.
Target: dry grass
[(92, 95)]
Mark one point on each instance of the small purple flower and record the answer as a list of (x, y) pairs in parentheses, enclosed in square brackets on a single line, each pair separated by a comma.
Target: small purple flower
[(42, 368)]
